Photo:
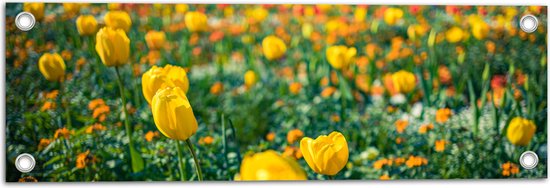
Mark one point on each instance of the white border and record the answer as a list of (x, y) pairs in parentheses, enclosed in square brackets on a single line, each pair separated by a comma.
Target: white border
[(399, 183)]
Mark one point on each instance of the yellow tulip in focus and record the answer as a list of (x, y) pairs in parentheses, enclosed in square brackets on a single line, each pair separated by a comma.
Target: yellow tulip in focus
[(455, 34), (159, 77), (270, 165), (52, 66), (392, 15), (250, 78), (118, 20), (340, 56), (520, 131), (112, 46), (173, 114), (71, 9), (86, 25), (480, 30), (36, 9), (196, 21), (326, 154), (155, 39), (403, 81), (273, 47)]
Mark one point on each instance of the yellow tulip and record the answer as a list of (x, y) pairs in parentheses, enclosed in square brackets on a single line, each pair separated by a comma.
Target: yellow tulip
[(403, 81), (182, 8), (273, 47), (36, 9), (118, 20), (259, 14), (250, 78), (155, 39), (392, 15), (520, 131), (112, 46), (270, 165), (173, 114), (86, 25), (196, 21), (159, 77), (455, 34), (480, 30), (360, 14), (52, 66), (326, 154), (71, 9), (340, 56)]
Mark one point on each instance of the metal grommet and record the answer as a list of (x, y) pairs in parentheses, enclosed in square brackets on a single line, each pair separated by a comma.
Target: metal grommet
[(529, 23), (528, 160), (25, 162), (25, 21)]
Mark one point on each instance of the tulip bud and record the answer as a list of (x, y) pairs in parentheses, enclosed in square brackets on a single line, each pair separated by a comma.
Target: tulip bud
[(340, 56), (118, 20), (112, 46), (196, 21), (36, 9), (250, 78), (155, 39), (273, 47), (173, 114), (270, 165), (86, 25), (159, 77), (326, 154), (520, 131), (52, 66)]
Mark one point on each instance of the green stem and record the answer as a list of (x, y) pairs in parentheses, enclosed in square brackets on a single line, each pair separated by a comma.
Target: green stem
[(197, 166), (180, 161), (65, 102), (137, 161)]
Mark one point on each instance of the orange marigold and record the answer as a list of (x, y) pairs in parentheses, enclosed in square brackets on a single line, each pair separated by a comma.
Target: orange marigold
[(442, 115)]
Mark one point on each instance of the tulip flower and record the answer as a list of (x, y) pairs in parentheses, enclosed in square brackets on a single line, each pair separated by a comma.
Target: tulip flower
[(112, 46), (392, 15), (86, 25), (155, 39), (480, 29), (270, 165), (326, 154), (250, 78), (403, 81), (520, 131), (340, 56), (71, 9), (52, 66), (118, 20), (455, 34), (173, 116), (196, 21), (36, 9), (273, 47), (154, 78)]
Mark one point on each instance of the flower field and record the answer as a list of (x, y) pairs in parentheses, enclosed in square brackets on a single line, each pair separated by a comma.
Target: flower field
[(177, 92)]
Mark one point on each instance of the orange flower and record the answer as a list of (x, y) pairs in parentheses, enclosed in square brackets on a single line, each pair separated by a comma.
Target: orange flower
[(293, 152), (384, 177), (95, 127), (294, 135), (379, 164), (440, 145), (63, 132), (52, 95), (442, 115), (425, 128), (206, 140), (217, 88), (48, 105), (509, 169), (149, 136), (270, 136), (295, 87), (328, 91), (95, 103), (101, 112), (44, 142), (444, 75), (84, 158), (400, 125), (28, 179), (413, 161)]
